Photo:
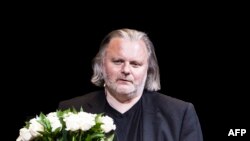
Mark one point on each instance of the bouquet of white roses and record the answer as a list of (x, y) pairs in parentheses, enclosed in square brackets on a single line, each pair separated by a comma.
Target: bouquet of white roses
[(68, 125)]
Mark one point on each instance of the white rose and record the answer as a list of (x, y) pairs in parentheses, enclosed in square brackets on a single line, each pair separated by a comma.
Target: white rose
[(19, 139), (108, 124), (25, 135), (86, 120), (72, 122), (81, 121), (54, 121), (35, 127)]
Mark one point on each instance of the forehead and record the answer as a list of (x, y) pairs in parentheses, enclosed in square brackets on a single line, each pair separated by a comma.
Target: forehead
[(127, 47)]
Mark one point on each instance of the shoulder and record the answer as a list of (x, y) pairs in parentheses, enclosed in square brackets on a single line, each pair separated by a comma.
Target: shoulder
[(80, 101), (176, 119), (167, 103), (164, 99)]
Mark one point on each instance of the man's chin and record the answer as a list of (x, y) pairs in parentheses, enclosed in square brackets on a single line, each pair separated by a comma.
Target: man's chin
[(125, 91)]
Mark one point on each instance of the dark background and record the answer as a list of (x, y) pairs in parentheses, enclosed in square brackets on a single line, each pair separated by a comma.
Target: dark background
[(202, 55)]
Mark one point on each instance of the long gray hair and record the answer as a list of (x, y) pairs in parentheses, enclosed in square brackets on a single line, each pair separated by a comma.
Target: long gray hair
[(153, 77)]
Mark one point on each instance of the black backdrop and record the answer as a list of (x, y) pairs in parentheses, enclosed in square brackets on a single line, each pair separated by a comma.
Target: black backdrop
[(202, 58)]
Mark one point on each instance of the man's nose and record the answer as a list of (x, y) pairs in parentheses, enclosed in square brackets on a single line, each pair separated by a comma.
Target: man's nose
[(126, 69)]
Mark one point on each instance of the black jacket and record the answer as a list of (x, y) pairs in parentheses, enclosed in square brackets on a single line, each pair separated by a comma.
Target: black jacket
[(164, 118)]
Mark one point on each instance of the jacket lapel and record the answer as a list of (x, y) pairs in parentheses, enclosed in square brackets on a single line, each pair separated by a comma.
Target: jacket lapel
[(150, 126), (97, 104)]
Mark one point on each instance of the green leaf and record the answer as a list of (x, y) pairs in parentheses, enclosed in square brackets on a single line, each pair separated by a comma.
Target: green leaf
[(97, 135), (110, 137), (81, 109)]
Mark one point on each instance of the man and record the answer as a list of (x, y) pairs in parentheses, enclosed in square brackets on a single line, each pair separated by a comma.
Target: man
[(126, 65)]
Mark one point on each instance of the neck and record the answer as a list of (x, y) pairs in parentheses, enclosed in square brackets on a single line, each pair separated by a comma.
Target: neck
[(121, 106)]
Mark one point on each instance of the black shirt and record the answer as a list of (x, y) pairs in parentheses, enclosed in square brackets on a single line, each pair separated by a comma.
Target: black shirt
[(129, 124)]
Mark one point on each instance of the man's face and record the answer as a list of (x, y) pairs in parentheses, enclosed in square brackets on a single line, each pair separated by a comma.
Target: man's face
[(125, 66)]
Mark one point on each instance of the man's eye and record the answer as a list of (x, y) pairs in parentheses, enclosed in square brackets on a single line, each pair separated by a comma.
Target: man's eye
[(135, 65), (117, 61)]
